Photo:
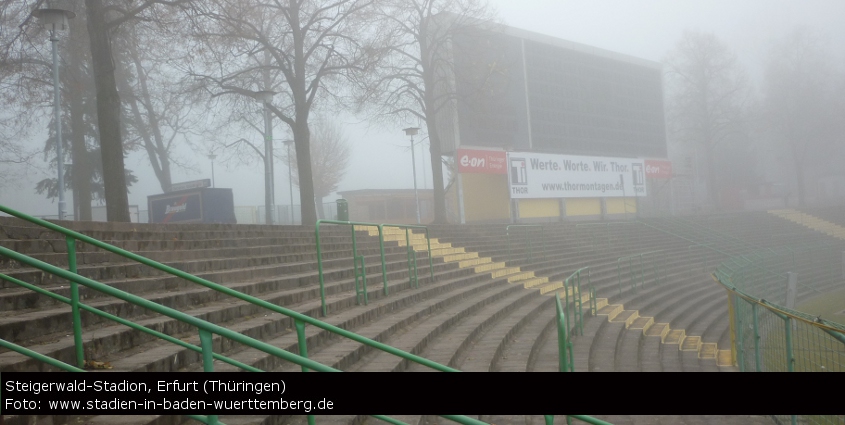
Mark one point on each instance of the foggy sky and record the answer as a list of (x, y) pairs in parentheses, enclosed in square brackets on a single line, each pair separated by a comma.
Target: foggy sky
[(645, 29)]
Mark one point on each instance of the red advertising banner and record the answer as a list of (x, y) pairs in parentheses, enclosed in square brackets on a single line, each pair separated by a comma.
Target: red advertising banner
[(658, 169), (482, 162)]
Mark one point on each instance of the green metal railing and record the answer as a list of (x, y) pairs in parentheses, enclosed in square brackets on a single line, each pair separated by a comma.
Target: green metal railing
[(637, 264), (566, 361), (768, 337), (40, 357), (531, 230), (360, 271), (573, 284), (300, 320)]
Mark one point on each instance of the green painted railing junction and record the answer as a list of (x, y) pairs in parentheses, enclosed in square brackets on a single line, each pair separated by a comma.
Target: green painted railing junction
[(358, 260), (530, 232), (566, 360), (766, 336), (637, 264)]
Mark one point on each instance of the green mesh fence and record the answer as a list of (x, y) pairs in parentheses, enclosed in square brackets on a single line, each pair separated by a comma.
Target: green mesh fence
[(768, 336)]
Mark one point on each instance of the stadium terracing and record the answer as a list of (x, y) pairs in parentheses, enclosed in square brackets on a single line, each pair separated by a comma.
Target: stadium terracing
[(684, 294)]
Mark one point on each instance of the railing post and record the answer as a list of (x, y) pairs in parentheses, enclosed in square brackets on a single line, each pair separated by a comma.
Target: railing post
[(790, 358), (206, 342), (566, 294), (301, 341), (383, 263), (619, 277), (74, 304), (320, 270), (740, 342), (758, 367), (562, 339), (411, 272), (580, 308), (355, 273), (430, 261)]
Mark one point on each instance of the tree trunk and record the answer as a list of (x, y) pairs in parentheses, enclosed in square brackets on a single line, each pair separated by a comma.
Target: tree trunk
[(81, 170), (302, 139), (301, 132), (440, 216), (108, 114)]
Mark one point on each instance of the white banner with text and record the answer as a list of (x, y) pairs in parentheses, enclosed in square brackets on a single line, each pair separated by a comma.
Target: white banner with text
[(539, 175)]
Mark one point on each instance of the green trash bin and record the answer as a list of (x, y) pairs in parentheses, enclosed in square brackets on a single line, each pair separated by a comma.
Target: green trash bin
[(342, 210)]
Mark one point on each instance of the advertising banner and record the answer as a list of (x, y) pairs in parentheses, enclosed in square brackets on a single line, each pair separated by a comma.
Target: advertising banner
[(658, 169), (539, 175), (481, 161), (184, 208)]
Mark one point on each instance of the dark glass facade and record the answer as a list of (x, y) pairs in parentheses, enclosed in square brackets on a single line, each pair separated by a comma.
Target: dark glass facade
[(579, 102)]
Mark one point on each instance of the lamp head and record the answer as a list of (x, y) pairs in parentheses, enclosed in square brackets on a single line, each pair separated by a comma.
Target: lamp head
[(53, 17), (264, 96), (411, 131)]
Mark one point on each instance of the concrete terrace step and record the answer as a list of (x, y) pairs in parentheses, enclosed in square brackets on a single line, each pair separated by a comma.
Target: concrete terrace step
[(286, 297), (272, 326), (410, 334)]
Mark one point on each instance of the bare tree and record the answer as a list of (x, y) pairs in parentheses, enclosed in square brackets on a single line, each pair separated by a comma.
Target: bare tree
[(159, 110), (802, 105), (414, 79), (310, 44), (708, 98), (330, 152), (104, 16)]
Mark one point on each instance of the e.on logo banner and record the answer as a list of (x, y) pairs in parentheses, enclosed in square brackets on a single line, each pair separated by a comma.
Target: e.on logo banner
[(658, 169), (482, 162)]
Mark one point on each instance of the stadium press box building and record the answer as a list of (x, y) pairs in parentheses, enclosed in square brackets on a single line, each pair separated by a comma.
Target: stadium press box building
[(542, 129)]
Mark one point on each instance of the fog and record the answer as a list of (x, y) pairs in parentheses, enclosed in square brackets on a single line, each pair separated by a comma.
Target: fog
[(380, 156)]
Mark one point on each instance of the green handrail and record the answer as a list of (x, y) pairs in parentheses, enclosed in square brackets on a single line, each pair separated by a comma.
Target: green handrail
[(411, 257), (223, 289), (835, 330), (411, 252), (125, 322), (38, 356), (530, 242), (164, 310), (630, 258), (566, 362), (578, 313), (323, 310)]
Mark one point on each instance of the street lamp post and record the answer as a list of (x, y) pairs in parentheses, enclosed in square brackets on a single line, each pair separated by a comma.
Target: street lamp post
[(265, 97), (412, 131), (211, 156), (55, 20), (290, 178)]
